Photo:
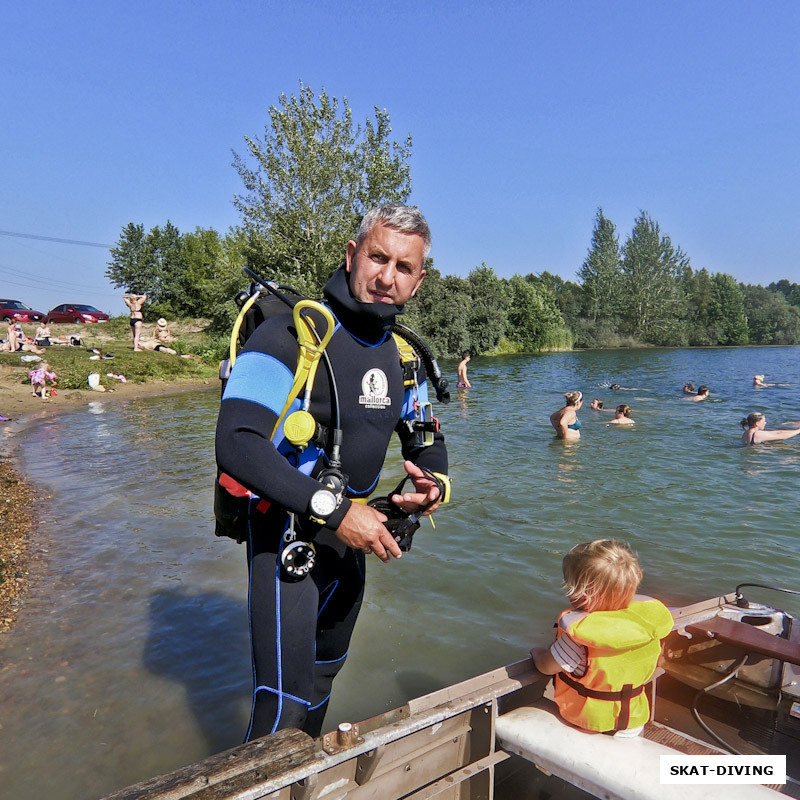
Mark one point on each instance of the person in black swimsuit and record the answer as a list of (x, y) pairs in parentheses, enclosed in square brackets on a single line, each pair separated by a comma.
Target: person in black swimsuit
[(135, 303)]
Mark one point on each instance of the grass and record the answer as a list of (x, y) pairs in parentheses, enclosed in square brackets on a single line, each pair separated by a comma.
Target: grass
[(72, 364)]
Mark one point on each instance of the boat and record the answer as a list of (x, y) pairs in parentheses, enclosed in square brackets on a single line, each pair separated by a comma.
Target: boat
[(728, 682)]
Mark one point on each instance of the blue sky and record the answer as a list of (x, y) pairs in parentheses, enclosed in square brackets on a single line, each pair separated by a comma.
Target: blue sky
[(525, 117)]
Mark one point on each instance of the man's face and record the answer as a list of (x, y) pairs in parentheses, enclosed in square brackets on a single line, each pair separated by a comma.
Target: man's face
[(387, 266)]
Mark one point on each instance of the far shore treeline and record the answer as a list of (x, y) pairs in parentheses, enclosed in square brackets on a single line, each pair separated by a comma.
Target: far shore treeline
[(314, 174)]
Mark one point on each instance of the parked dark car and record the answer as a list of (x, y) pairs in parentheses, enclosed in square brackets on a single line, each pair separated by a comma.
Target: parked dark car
[(74, 312), (19, 312)]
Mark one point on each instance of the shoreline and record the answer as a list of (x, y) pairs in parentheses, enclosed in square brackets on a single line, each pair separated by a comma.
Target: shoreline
[(22, 409), (18, 515)]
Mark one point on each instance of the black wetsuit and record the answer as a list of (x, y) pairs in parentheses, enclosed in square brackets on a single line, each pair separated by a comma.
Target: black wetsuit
[(300, 630)]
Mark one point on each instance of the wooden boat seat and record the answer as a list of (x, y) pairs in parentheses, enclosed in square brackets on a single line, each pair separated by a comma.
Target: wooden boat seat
[(626, 769), (748, 637)]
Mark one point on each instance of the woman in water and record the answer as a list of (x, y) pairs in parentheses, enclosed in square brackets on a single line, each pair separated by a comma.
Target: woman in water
[(754, 433), (622, 416), (565, 420)]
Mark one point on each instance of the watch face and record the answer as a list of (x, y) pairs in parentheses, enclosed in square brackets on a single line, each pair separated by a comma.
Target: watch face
[(323, 503)]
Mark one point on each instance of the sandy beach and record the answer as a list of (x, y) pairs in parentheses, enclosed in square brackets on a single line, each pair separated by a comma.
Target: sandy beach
[(18, 499)]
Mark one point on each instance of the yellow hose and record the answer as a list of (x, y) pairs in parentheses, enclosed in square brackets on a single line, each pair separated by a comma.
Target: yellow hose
[(237, 325)]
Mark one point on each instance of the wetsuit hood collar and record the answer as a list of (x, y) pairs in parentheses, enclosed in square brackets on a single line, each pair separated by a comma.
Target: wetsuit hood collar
[(366, 320)]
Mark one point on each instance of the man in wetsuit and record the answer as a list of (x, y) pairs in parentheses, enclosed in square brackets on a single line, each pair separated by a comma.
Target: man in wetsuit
[(301, 627)]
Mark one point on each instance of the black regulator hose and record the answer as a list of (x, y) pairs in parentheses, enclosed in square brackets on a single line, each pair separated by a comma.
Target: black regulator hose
[(729, 675), (431, 367), (741, 600), (274, 288)]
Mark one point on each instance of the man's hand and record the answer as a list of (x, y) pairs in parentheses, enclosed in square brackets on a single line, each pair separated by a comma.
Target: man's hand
[(362, 529), (427, 491)]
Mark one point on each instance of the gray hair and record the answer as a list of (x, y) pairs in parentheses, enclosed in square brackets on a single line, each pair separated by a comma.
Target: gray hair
[(406, 219)]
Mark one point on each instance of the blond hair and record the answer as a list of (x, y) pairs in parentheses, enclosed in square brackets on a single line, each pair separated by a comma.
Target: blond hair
[(601, 575), (573, 398)]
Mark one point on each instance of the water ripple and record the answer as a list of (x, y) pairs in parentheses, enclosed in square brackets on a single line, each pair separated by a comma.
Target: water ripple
[(131, 658)]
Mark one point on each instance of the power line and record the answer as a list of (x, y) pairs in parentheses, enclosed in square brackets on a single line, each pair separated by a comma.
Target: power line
[(60, 286), (55, 239)]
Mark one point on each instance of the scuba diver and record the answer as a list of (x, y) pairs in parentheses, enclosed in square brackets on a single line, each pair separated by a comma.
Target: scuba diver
[(304, 477)]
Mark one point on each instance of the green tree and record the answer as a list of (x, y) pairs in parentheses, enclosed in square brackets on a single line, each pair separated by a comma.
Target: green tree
[(228, 280), (440, 313), (791, 291), (487, 311), (568, 295), (770, 317), (309, 181), (168, 264), (727, 310), (534, 321), (653, 300), (601, 273), (131, 266), (202, 256), (697, 289)]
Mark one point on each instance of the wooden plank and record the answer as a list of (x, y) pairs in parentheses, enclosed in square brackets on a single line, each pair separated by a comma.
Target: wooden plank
[(748, 637), (213, 776)]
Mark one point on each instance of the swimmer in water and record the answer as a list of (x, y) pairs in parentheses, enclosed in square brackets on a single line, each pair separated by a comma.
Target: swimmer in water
[(702, 394), (463, 380), (622, 416), (754, 425), (565, 420)]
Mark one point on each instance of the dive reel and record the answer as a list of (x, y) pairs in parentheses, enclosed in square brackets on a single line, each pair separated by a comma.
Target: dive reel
[(400, 523)]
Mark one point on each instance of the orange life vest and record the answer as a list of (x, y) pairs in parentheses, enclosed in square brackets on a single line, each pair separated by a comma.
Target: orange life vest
[(623, 648)]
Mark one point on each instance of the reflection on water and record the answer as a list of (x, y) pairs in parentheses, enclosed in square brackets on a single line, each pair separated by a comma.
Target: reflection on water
[(131, 657)]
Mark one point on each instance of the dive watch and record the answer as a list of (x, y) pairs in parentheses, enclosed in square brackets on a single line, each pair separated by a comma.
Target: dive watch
[(322, 504)]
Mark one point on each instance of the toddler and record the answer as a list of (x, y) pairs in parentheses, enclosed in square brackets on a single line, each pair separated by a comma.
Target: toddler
[(39, 378), (607, 645)]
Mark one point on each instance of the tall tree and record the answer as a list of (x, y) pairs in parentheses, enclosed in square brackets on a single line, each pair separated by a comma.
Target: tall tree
[(698, 292), (131, 265), (568, 295), (653, 300), (166, 254), (601, 273), (309, 181), (791, 291), (770, 317), (534, 321), (487, 311), (727, 310), (440, 313)]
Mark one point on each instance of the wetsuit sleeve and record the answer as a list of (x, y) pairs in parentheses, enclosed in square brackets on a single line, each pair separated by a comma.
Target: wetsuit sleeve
[(254, 397)]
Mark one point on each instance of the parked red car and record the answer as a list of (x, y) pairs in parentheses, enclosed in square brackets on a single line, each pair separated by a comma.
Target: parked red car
[(19, 312), (74, 312)]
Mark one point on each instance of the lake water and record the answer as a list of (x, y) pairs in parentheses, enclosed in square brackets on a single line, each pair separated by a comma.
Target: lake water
[(131, 656)]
